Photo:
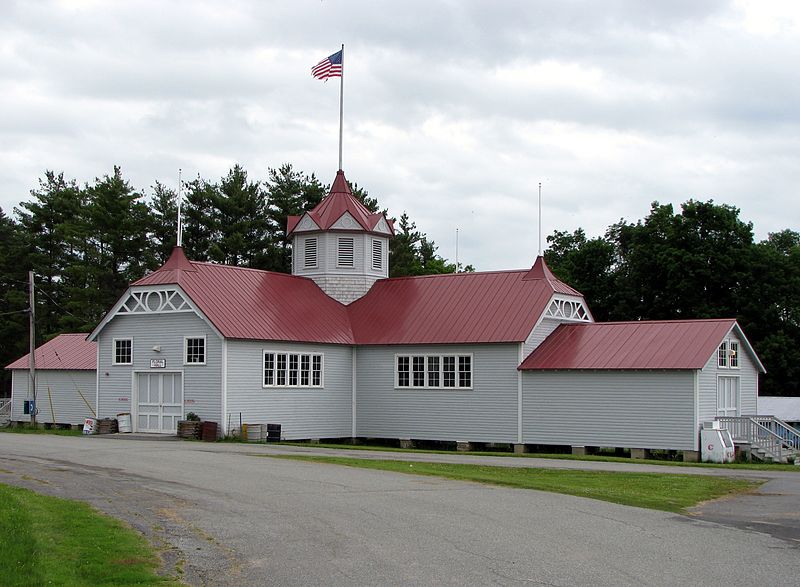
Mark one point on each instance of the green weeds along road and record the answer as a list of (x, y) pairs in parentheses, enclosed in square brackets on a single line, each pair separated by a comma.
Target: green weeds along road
[(668, 492), (51, 541)]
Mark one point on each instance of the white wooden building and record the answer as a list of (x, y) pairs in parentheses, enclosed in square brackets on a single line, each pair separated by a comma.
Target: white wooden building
[(340, 350)]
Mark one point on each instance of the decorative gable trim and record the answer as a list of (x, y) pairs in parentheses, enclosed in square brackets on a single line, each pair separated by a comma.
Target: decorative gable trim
[(568, 309), (165, 299), (382, 227), (306, 223), (346, 222)]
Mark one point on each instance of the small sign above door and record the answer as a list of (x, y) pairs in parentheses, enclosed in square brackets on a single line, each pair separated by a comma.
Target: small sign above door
[(158, 363)]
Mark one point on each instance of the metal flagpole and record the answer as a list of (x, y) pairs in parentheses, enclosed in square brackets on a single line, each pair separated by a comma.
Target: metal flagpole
[(32, 360), (180, 202), (341, 108), (540, 218)]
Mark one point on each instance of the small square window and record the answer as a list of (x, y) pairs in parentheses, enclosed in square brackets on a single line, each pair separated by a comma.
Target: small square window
[(195, 351), (123, 351)]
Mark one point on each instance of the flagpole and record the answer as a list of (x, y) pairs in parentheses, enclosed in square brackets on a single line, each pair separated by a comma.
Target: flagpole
[(341, 108)]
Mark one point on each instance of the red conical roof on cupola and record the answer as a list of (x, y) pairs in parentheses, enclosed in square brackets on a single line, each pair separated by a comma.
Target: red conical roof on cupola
[(340, 200)]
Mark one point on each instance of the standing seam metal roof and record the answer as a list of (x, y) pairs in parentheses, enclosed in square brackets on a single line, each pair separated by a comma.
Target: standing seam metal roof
[(668, 344), (66, 351)]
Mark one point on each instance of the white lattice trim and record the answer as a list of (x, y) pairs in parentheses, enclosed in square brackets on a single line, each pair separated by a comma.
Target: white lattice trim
[(564, 309), (154, 302)]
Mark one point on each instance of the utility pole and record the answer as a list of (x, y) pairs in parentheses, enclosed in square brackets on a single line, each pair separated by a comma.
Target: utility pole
[(32, 362)]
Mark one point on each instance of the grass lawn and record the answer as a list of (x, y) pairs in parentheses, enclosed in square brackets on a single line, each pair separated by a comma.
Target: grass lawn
[(562, 456), (40, 429), (51, 541), (668, 492)]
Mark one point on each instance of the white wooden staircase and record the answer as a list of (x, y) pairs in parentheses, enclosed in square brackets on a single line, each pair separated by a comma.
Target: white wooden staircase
[(5, 411), (766, 437)]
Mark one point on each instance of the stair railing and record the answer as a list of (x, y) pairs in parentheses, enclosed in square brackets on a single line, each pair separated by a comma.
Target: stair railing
[(748, 429)]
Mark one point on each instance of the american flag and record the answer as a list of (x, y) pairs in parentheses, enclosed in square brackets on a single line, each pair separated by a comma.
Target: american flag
[(328, 67)]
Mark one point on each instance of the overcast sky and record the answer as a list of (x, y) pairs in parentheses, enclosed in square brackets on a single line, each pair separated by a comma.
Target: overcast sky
[(454, 111)]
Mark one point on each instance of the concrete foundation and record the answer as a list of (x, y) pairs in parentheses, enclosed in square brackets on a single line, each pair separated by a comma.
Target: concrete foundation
[(463, 446), (640, 453), (406, 443), (691, 456), (580, 451), (520, 449)]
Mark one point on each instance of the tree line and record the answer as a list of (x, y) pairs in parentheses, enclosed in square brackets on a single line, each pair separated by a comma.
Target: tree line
[(86, 243), (700, 262)]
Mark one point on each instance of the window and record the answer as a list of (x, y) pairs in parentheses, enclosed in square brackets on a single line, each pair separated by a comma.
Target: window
[(728, 354), (434, 371), (123, 351), (377, 254), (733, 354), (345, 256), (292, 369), (194, 350), (310, 258)]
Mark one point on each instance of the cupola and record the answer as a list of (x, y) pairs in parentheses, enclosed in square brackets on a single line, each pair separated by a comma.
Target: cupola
[(340, 244)]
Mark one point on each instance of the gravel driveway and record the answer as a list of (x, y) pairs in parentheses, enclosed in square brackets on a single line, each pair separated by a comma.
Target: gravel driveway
[(226, 517)]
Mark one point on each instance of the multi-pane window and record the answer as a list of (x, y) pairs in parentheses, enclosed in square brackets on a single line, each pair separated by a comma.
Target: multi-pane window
[(728, 354), (310, 256), (292, 369), (377, 254), (123, 351), (195, 351), (434, 371), (345, 252), (733, 354)]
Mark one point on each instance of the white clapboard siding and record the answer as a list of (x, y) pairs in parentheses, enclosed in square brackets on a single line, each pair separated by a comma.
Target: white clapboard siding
[(637, 409), (748, 384), (57, 392), (202, 384), (486, 413), (302, 412)]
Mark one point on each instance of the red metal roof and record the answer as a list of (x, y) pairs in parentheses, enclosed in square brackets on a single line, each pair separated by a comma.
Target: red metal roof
[(65, 351), (252, 304), (335, 204), (498, 306), (456, 308), (669, 344)]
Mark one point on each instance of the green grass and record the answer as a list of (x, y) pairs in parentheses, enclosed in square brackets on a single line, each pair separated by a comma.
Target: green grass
[(51, 541), (667, 492), (40, 429), (560, 456)]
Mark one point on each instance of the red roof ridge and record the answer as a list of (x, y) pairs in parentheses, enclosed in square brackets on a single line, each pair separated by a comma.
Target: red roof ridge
[(460, 273), (661, 321)]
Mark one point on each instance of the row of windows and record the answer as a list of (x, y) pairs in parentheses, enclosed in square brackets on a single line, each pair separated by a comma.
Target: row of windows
[(292, 369), (345, 253), (194, 351), (434, 371), (284, 369), (728, 354)]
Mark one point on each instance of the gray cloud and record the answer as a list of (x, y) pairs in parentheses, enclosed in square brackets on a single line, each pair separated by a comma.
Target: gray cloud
[(454, 110)]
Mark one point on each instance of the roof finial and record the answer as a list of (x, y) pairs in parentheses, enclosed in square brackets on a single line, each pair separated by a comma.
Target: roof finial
[(180, 201)]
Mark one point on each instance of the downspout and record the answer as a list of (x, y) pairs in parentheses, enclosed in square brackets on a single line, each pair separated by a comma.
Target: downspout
[(353, 399), (225, 386), (519, 396)]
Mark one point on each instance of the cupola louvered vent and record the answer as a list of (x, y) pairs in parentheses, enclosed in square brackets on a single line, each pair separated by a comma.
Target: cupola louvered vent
[(377, 254), (345, 257), (310, 253)]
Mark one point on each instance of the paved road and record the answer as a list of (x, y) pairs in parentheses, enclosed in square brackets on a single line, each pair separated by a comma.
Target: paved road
[(235, 519)]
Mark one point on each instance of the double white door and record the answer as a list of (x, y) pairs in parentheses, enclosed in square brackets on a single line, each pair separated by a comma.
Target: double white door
[(159, 402), (727, 396)]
